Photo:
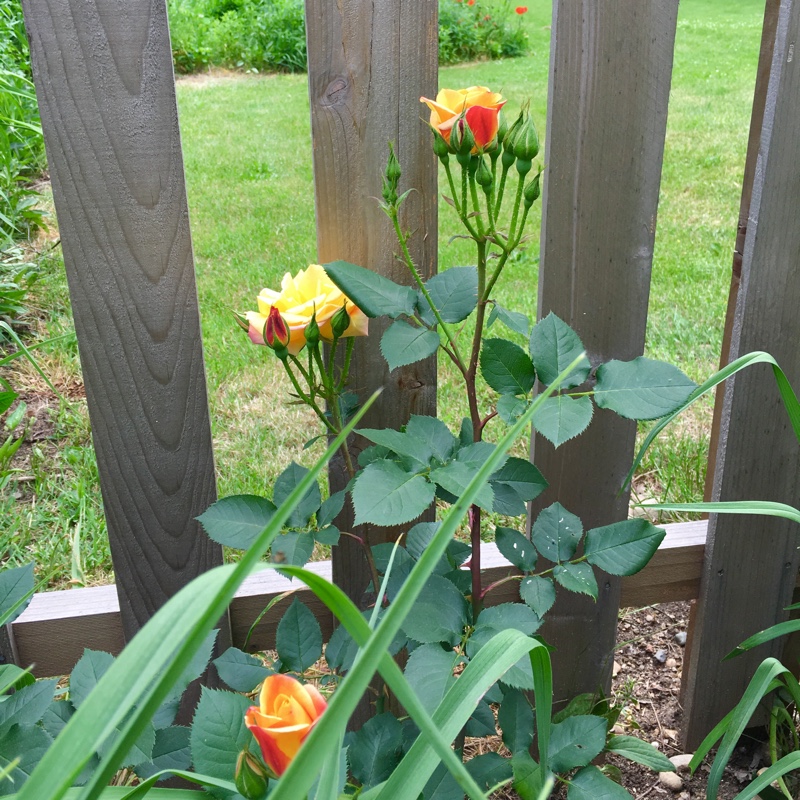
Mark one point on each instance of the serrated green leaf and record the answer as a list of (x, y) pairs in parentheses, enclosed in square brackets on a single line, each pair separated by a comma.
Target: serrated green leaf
[(28, 744), (14, 677), (7, 400), (454, 293), (511, 408), (623, 548), (372, 293), (481, 723), (329, 535), (553, 347), (299, 638), (56, 716), (219, 733), (641, 752), (515, 548), (404, 444), (430, 672), (241, 671), (419, 536), (524, 483), (642, 388), (140, 751), (404, 344), (375, 750), (27, 705), (575, 742), (170, 751), (591, 784), (439, 613), (538, 593), (385, 494), (506, 367), (528, 777), (435, 433), (556, 533), (16, 584), (510, 615), (294, 547), (455, 477), (576, 578), (442, 786), (580, 705), (236, 521), (515, 718), (562, 418), (489, 769), (330, 509), (308, 505), (515, 320), (91, 666)]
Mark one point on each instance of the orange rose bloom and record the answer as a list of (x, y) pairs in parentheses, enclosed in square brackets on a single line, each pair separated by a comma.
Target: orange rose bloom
[(286, 713), (309, 292), (481, 106)]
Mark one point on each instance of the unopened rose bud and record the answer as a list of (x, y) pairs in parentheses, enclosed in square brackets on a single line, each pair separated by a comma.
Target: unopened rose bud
[(483, 175), (508, 139), (312, 331), (523, 166), (532, 191), (340, 322), (502, 126), (526, 142), (276, 331), (251, 778), (440, 146), (391, 177), (461, 137)]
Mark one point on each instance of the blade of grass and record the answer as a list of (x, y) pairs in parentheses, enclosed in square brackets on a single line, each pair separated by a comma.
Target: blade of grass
[(297, 779), (130, 692), (765, 507), (767, 635), (756, 357)]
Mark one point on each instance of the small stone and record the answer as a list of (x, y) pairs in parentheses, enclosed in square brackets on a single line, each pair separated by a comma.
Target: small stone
[(618, 730), (649, 618), (660, 656), (648, 648), (671, 663), (616, 669), (670, 734), (680, 638), (684, 796), (656, 744), (681, 760), (670, 780)]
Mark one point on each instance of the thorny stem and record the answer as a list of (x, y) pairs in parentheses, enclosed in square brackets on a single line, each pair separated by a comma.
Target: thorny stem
[(420, 283), (515, 212), (307, 399), (473, 190), (348, 355), (501, 190), (462, 215), (475, 560)]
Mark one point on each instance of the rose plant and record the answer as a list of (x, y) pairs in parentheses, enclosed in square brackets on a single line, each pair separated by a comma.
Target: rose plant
[(471, 667)]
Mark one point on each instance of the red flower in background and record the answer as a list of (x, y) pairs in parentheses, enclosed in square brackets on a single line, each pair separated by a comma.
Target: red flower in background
[(521, 9)]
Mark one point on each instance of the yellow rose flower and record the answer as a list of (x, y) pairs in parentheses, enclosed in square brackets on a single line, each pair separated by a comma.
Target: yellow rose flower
[(310, 291), (450, 104)]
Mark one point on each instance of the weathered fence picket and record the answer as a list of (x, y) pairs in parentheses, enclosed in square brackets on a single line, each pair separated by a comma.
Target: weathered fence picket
[(607, 114), (104, 82), (369, 63), (751, 563)]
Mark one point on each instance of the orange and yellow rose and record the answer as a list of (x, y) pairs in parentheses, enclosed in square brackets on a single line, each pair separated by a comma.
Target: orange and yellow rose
[(284, 717), (309, 292), (479, 106)]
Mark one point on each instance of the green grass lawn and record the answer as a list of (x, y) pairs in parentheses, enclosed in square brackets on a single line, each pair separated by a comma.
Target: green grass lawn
[(247, 152)]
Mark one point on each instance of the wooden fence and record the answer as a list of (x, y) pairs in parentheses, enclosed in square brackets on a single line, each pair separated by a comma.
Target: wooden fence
[(104, 81)]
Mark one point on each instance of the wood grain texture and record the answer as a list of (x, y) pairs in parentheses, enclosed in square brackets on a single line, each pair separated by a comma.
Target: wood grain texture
[(103, 75), (751, 563), (55, 628), (610, 70), (369, 62), (756, 118)]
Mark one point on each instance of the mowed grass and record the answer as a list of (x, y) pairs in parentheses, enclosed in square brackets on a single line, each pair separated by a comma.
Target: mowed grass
[(247, 152)]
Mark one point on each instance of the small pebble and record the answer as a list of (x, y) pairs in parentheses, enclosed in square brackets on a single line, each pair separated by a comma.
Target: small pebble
[(660, 656), (670, 780), (618, 730), (681, 760), (671, 734), (649, 618), (648, 648), (616, 669), (684, 796), (671, 663), (656, 744), (680, 638)]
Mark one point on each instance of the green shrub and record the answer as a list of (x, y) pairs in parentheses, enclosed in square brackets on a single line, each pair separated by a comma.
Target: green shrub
[(270, 34), (21, 143), (474, 32)]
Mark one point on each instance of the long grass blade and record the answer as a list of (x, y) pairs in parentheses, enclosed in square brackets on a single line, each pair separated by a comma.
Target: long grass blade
[(757, 357), (767, 635), (779, 768), (764, 507), (297, 779), (143, 674)]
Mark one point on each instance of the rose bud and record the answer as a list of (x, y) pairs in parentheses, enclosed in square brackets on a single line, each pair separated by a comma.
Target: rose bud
[(251, 779), (340, 322), (312, 331), (526, 142), (532, 190)]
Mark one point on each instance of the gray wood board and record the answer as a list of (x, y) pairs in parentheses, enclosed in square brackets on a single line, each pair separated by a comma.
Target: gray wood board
[(369, 63), (610, 70), (751, 562), (103, 75)]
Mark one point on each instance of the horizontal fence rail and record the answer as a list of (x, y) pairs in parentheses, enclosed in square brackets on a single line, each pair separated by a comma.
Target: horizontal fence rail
[(56, 627)]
